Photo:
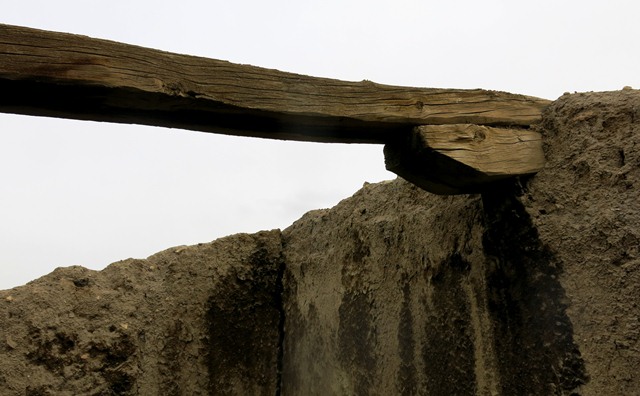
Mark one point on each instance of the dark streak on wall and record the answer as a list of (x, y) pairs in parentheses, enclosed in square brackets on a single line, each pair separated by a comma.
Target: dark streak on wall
[(448, 352), (527, 304), (406, 379), (244, 337)]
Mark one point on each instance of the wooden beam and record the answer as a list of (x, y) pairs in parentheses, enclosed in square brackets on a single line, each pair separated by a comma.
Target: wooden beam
[(447, 141), (71, 76), (463, 158)]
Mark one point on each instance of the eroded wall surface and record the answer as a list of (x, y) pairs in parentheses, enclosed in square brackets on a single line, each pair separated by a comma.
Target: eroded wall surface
[(192, 320), (530, 288)]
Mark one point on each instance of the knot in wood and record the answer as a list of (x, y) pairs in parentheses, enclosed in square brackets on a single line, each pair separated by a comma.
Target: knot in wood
[(479, 134)]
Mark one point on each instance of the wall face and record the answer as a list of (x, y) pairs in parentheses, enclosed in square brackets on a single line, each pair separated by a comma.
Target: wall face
[(410, 293), (531, 288), (377, 297), (586, 208), (191, 320)]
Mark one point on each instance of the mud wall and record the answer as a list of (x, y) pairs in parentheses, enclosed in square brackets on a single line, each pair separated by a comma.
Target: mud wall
[(447, 296), (192, 320), (530, 288)]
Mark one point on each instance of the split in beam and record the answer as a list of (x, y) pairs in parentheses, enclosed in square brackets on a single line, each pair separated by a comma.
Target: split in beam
[(69, 76)]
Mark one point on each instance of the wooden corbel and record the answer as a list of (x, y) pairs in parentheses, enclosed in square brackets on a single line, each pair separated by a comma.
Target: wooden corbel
[(464, 158)]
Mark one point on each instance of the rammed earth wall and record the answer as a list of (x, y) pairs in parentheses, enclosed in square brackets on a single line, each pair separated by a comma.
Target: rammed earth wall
[(530, 288)]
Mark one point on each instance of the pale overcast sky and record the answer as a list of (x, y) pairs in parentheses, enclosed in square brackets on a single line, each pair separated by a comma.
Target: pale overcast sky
[(85, 193)]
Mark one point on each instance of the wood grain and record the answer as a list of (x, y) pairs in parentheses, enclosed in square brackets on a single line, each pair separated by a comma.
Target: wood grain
[(71, 76), (464, 158), (495, 152)]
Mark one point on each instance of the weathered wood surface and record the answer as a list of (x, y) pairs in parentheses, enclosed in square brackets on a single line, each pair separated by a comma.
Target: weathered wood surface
[(447, 141), (71, 76), (463, 158), (493, 151)]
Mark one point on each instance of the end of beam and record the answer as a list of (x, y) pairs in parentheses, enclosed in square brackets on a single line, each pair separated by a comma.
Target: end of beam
[(464, 158)]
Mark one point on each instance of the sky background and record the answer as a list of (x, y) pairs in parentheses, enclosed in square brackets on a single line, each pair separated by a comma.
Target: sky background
[(86, 193)]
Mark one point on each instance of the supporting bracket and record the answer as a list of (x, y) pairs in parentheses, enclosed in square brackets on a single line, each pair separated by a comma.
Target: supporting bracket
[(463, 158)]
